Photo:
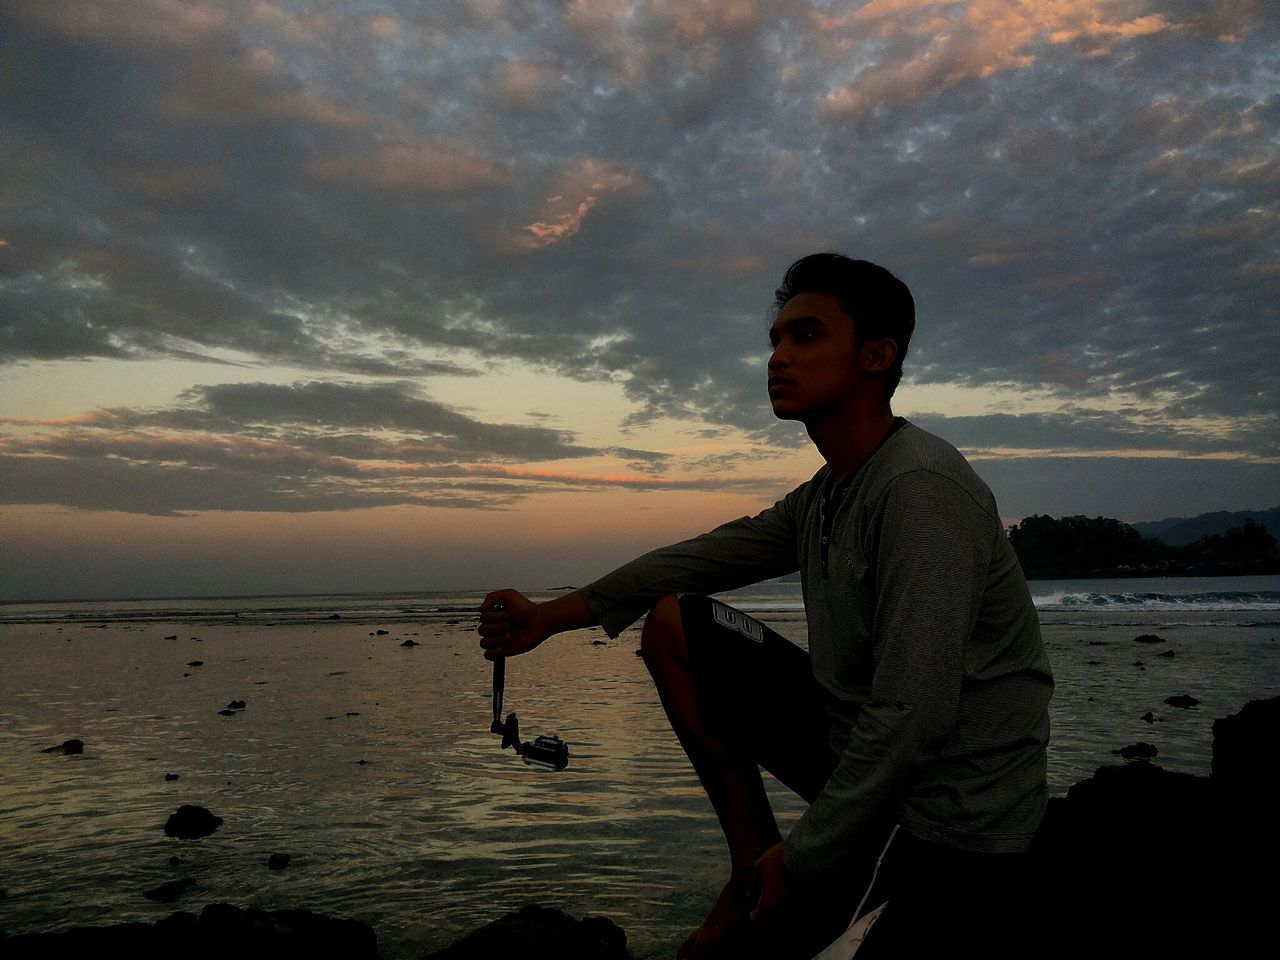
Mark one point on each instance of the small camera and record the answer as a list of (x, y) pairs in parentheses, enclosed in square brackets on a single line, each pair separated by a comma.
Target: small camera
[(547, 751)]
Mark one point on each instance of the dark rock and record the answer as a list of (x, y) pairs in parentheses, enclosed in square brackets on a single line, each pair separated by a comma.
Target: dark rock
[(1148, 638), (171, 891), (172, 636), (278, 861), (1138, 751), (353, 713), (1097, 643), (236, 705), (381, 633), (598, 643), (1092, 663), (221, 931), (170, 777), (1244, 750), (195, 663), (333, 616), (1149, 717), (66, 748), (174, 862), (639, 653), (1141, 861), (191, 822), (540, 933), (1166, 654), (1182, 701), (1139, 664), (226, 713), (411, 643)]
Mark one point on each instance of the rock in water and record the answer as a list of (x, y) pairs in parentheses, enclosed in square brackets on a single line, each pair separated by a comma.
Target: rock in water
[(66, 748), (191, 823), (1148, 638), (278, 861), (541, 933), (410, 643), (171, 891), (1183, 701), (235, 705), (1138, 751)]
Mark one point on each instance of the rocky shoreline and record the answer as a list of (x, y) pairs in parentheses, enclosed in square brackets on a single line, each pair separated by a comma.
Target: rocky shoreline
[(1134, 858)]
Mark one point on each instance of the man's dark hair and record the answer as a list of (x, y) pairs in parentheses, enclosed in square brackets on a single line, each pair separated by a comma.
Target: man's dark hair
[(879, 303)]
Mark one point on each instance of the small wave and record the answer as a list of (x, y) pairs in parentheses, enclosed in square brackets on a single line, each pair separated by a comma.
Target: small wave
[(1220, 601)]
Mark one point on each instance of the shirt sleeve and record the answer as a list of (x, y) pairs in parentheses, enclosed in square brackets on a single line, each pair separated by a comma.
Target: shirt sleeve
[(931, 543), (735, 554)]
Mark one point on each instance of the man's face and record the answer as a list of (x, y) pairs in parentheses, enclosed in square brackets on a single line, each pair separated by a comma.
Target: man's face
[(815, 365)]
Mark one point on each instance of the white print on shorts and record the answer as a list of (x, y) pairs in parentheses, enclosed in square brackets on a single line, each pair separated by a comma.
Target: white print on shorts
[(734, 620)]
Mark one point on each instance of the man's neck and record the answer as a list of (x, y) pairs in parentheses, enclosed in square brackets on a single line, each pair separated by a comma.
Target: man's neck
[(847, 437)]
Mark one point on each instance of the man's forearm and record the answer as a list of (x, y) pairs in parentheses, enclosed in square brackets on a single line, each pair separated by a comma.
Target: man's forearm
[(566, 612)]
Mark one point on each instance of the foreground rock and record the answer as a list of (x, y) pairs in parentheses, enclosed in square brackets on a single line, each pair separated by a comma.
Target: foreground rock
[(1140, 860), (540, 933), (221, 931)]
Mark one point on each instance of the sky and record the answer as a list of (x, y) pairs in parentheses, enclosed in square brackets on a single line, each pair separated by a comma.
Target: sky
[(319, 296)]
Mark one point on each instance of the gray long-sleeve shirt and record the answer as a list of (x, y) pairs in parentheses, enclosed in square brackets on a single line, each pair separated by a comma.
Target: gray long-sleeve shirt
[(922, 634)]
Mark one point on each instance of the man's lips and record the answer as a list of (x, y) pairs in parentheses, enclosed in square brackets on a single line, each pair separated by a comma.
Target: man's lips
[(780, 382)]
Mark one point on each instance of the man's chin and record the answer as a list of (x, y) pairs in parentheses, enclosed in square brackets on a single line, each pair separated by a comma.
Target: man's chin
[(784, 411)]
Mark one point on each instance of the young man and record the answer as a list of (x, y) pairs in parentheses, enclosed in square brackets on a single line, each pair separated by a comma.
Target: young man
[(922, 701)]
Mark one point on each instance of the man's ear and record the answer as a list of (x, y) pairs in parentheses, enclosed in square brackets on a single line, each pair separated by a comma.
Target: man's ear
[(878, 356)]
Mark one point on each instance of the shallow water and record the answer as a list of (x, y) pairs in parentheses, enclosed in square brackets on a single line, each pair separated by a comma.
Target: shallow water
[(439, 831)]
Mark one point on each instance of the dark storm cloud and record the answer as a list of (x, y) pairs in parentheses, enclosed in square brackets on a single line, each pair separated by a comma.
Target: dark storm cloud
[(1092, 430), (314, 446), (1081, 195)]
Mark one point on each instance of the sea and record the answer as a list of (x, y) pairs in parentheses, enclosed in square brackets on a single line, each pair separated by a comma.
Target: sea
[(368, 759)]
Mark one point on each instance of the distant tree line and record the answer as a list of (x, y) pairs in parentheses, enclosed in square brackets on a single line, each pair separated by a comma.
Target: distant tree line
[(1076, 547)]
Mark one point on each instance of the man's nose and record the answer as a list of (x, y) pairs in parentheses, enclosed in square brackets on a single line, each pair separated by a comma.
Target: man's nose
[(778, 359)]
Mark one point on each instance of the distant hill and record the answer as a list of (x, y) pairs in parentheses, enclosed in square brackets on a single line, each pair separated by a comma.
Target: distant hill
[(1179, 531)]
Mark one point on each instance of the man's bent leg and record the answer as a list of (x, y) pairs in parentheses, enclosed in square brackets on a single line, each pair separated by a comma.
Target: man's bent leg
[(727, 769), (728, 773), (739, 696)]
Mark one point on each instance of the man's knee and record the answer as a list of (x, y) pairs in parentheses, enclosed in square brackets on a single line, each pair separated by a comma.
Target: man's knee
[(662, 637)]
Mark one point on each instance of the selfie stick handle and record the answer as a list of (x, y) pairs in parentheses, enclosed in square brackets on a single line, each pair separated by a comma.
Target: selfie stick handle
[(499, 685)]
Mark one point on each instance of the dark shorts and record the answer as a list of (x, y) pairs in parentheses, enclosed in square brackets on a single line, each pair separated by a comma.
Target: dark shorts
[(756, 688)]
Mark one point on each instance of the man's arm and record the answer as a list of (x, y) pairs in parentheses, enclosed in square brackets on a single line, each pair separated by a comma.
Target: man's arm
[(735, 554), (932, 545)]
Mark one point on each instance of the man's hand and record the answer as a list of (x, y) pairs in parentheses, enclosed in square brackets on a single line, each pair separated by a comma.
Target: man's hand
[(509, 624), (769, 887)]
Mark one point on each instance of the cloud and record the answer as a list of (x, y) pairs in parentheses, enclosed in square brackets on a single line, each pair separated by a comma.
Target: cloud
[(415, 168), (304, 447), (1079, 194), (521, 85), (932, 46), (576, 191)]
